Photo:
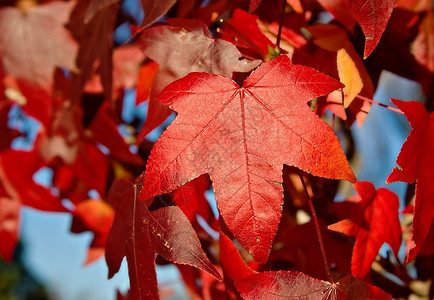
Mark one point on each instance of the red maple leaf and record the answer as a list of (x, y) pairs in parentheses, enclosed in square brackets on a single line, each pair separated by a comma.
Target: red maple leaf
[(296, 285), (25, 50), (241, 138), (139, 233), (416, 162), (380, 209), (372, 16)]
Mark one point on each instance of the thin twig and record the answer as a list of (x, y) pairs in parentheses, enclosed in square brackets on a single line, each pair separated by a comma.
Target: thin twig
[(333, 121), (379, 104), (318, 231), (279, 32)]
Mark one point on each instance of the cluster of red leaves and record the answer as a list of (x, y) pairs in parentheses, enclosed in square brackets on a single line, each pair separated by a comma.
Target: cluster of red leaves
[(249, 93)]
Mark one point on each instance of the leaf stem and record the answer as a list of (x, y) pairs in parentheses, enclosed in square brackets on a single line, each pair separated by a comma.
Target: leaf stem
[(379, 104), (318, 231), (246, 39), (333, 122), (279, 32)]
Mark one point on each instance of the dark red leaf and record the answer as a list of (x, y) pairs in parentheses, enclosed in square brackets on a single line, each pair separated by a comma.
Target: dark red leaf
[(241, 138), (380, 209), (155, 10), (91, 167), (247, 25), (416, 162), (96, 42), (139, 234), (190, 198), (104, 131), (95, 6), (302, 249), (253, 5), (372, 16)]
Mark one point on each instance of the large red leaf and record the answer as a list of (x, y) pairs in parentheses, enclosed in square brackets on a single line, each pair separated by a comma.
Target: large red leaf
[(372, 16), (139, 233), (380, 209), (295, 285), (25, 49), (196, 51), (416, 163), (241, 137)]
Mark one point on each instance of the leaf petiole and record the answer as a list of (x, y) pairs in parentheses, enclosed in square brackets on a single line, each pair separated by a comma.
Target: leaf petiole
[(279, 32), (318, 231), (379, 104)]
